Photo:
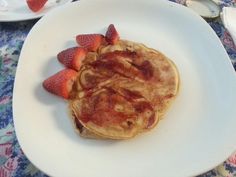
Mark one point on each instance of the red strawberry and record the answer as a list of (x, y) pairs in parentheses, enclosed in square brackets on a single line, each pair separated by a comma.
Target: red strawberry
[(61, 83), (90, 41), (72, 57), (36, 5), (112, 35)]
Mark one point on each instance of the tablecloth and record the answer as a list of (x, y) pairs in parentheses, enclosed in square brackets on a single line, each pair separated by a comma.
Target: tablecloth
[(12, 159)]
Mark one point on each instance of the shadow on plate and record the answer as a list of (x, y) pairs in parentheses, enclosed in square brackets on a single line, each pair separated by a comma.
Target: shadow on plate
[(45, 97), (51, 67), (62, 119), (70, 43), (65, 124)]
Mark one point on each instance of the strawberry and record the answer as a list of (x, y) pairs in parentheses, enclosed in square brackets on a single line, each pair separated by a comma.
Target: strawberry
[(90, 41), (72, 57), (61, 83), (112, 35), (36, 5)]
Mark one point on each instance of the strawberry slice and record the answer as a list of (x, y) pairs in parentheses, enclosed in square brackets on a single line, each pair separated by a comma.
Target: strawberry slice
[(90, 41), (112, 35), (61, 83), (72, 57), (36, 5)]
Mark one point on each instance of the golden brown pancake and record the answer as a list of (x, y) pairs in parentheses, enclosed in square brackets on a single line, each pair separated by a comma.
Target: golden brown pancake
[(111, 115), (163, 86), (122, 90)]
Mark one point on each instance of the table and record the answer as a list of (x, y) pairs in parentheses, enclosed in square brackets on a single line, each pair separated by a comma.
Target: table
[(12, 160)]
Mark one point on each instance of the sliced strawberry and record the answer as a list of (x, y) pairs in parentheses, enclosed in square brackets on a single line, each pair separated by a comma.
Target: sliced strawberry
[(90, 41), (112, 36), (36, 5), (61, 83), (72, 57)]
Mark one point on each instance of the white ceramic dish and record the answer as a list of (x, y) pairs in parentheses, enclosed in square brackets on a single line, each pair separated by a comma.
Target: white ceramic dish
[(197, 133), (17, 10)]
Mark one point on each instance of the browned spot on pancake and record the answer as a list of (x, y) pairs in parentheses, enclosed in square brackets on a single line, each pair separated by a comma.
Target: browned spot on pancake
[(116, 62), (90, 81), (109, 64), (124, 54), (78, 124), (131, 95), (125, 63), (102, 110), (168, 96), (151, 121), (73, 92), (166, 68), (142, 106), (147, 69)]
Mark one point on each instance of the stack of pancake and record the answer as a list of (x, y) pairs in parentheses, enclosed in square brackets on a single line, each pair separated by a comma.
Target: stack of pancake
[(121, 90)]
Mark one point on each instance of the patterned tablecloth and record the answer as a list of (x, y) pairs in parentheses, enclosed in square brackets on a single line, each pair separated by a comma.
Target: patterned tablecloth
[(12, 160)]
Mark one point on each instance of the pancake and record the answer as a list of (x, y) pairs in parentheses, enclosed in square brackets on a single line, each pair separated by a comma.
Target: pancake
[(122, 90), (111, 115), (163, 86)]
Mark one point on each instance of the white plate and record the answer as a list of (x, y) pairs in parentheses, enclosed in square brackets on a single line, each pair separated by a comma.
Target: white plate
[(17, 10), (198, 131)]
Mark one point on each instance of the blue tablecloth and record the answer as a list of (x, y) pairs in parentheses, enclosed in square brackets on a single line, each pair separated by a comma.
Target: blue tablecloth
[(12, 160)]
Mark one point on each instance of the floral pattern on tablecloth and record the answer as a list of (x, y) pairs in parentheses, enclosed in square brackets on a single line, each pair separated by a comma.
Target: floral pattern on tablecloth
[(12, 160)]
